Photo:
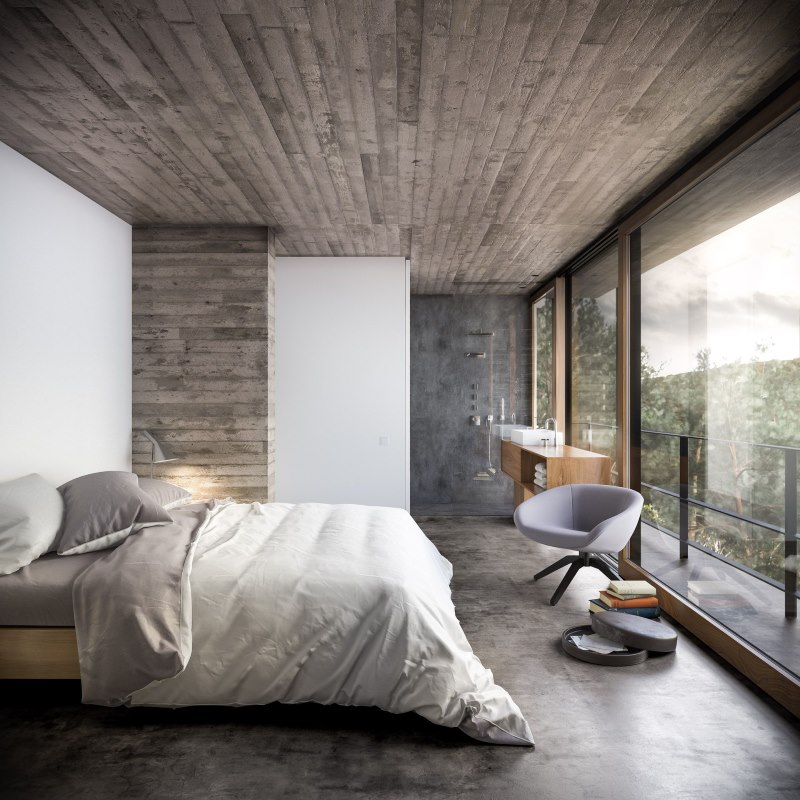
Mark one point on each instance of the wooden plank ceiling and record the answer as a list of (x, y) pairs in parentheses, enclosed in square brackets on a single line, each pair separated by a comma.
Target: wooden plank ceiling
[(488, 140)]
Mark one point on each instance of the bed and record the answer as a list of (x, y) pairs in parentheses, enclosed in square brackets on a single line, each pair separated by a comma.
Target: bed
[(37, 623), (243, 604)]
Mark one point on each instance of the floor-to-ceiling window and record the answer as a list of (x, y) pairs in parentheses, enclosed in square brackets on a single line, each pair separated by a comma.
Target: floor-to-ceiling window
[(678, 355), (718, 277), (592, 405)]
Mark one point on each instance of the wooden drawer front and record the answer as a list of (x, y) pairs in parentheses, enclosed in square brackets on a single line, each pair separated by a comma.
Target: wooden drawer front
[(511, 460), (38, 653)]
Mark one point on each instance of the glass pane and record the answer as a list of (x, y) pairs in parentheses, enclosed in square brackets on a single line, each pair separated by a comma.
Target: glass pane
[(594, 357), (660, 480), (543, 365), (720, 381), (740, 477), (745, 543), (736, 598)]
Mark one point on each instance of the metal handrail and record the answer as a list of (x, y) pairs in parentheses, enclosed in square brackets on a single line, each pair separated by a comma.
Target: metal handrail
[(714, 554), (718, 509), (789, 530), (592, 424), (723, 441)]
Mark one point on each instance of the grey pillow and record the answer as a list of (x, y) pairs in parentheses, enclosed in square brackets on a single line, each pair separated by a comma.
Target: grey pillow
[(167, 495), (102, 509), (30, 518)]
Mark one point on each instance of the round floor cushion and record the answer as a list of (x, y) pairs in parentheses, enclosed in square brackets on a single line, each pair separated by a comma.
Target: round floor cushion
[(633, 631)]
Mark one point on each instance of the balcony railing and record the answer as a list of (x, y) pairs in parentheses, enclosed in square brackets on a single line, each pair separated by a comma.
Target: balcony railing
[(685, 500)]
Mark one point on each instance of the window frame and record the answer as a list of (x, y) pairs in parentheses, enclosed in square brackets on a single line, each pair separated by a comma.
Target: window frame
[(770, 676), (598, 251), (557, 287), (767, 674)]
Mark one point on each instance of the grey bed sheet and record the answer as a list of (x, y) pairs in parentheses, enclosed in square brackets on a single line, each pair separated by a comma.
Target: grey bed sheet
[(40, 595)]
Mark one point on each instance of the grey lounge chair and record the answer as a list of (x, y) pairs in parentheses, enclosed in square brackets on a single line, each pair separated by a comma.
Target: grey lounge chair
[(587, 517)]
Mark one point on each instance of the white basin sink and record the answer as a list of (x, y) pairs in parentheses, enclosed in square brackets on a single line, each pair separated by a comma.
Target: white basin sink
[(535, 436), (505, 430)]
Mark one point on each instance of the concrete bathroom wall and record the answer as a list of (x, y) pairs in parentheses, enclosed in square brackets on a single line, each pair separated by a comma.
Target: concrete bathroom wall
[(450, 467)]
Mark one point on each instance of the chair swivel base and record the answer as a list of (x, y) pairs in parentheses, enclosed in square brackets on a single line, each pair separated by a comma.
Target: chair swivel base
[(576, 562)]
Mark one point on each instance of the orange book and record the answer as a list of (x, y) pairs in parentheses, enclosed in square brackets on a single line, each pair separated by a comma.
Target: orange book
[(636, 602)]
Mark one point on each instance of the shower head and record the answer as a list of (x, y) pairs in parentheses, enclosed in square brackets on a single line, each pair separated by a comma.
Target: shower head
[(475, 355)]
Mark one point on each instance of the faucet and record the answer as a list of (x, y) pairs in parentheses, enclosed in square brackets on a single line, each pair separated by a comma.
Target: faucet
[(555, 429)]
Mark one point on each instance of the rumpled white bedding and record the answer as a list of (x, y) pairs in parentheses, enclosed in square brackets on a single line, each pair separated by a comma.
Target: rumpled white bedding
[(329, 604)]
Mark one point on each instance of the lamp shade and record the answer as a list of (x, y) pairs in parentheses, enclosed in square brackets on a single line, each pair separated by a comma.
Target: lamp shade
[(161, 452)]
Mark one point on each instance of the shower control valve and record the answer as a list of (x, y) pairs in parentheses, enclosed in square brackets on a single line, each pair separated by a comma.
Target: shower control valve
[(475, 419)]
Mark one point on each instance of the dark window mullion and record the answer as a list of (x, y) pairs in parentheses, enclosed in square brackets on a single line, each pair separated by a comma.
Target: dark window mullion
[(568, 359), (635, 373)]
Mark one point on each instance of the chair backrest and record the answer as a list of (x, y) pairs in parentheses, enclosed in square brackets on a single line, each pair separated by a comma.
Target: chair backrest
[(609, 512), (594, 502), (552, 508)]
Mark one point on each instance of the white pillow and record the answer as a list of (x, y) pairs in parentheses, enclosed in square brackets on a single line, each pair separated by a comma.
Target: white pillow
[(30, 518)]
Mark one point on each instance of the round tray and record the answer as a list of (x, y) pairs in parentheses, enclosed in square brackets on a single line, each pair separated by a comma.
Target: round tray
[(620, 659), (635, 631)]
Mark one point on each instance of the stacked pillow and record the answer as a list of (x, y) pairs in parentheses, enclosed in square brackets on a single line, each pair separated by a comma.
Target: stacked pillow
[(167, 495), (31, 511), (102, 509), (89, 513)]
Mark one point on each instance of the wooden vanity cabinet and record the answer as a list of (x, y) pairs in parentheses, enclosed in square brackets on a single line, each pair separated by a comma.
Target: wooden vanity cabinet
[(564, 464)]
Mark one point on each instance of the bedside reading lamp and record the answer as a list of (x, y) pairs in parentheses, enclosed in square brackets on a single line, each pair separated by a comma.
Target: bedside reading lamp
[(159, 452)]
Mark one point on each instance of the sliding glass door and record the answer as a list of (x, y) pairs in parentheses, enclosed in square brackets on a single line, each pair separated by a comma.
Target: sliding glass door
[(677, 354), (717, 275)]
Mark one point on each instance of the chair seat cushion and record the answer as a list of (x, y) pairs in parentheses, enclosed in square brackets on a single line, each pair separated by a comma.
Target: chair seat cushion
[(562, 537)]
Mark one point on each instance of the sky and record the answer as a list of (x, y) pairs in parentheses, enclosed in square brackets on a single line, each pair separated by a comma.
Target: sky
[(737, 294)]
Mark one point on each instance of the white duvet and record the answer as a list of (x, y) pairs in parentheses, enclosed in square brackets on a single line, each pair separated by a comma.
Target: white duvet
[(328, 604)]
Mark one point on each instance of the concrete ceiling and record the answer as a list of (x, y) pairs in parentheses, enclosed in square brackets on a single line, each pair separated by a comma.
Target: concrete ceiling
[(490, 141)]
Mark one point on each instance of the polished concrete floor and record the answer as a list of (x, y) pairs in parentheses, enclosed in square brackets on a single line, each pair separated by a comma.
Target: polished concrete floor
[(679, 726)]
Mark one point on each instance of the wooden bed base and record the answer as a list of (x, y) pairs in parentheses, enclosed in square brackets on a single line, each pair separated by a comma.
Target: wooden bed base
[(38, 653)]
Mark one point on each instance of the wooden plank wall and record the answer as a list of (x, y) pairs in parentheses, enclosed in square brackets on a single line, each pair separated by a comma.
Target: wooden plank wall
[(203, 357)]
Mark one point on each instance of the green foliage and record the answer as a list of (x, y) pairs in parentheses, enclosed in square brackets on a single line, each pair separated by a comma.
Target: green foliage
[(731, 409), (594, 378), (544, 359), (736, 407), (651, 514)]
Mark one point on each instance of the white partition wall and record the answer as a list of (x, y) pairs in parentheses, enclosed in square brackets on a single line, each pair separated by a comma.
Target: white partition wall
[(341, 380), (65, 328)]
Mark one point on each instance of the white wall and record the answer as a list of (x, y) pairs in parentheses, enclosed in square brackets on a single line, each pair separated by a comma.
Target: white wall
[(341, 381), (65, 328)]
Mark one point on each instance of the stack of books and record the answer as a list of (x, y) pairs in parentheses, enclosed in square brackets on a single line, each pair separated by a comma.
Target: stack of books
[(629, 597)]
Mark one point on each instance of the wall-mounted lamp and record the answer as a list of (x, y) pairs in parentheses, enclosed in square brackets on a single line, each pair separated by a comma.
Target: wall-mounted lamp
[(159, 453)]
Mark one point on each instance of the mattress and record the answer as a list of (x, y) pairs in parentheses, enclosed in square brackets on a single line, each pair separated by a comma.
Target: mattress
[(40, 595)]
